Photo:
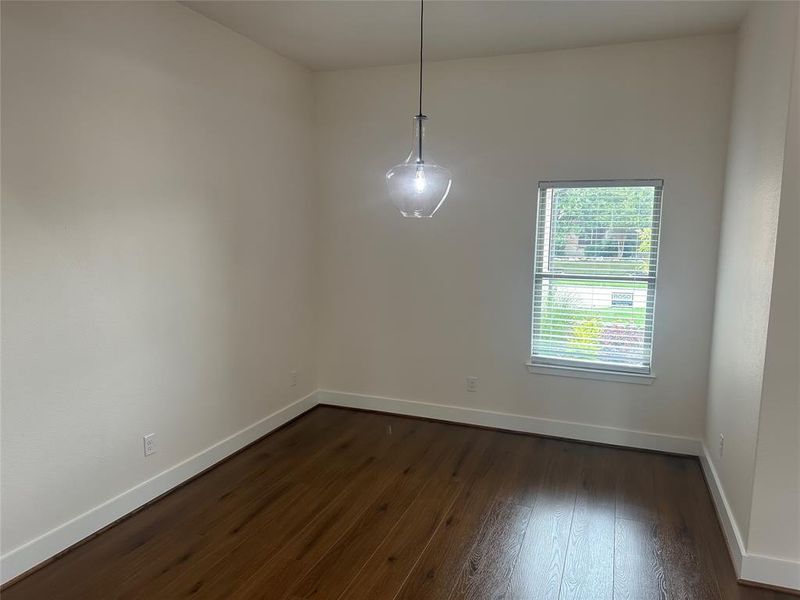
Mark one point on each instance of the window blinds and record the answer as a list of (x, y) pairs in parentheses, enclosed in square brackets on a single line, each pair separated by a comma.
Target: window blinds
[(595, 274)]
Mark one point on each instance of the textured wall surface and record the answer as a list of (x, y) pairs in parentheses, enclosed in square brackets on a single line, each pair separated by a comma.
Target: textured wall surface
[(775, 522), (747, 246)]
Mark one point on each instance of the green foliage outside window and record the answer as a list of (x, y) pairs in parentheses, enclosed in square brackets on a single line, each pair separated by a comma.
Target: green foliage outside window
[(585, 337), (603, 225)]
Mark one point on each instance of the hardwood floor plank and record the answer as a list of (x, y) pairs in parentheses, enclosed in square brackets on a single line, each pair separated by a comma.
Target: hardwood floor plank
[(346, 504), (458, 453), (219, 572), (326, 515), (636, 492), (151, 578), (525, 460), (288, 566), (384, 573), (589, 563), (441, 561), (433, 575), (330, 576), (686, 571), (486, 571), (540, 563), (638, 572)]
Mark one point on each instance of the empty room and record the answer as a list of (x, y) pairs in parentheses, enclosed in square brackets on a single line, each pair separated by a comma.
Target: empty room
[(400, 299)]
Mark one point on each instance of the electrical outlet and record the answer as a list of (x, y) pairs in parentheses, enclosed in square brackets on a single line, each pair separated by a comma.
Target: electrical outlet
[(721, 445), (149, 444), (472, 384), (293, 378)]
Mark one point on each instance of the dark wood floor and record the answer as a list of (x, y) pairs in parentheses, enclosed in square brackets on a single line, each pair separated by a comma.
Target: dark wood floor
[(344, 504)]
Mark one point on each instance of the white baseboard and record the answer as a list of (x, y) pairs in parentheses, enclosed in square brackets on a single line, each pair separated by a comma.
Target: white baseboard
[(753, 568), (772, 571), (32, 553), (730, 528), (550, 427)]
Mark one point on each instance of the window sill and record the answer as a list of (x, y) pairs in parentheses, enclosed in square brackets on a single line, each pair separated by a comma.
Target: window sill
[(637, 378)]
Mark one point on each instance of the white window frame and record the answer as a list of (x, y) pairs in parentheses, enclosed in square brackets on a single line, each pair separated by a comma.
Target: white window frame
[(584, 368)]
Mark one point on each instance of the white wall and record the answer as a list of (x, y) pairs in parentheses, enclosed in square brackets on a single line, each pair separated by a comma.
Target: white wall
[(158, 249), (747, 247), (412, 307), (775, 519)]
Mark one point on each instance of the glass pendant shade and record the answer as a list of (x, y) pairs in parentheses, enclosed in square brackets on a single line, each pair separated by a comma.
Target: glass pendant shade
[(418, 188)]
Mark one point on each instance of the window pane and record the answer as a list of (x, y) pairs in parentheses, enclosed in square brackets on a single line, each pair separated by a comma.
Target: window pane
[(594, 321), (600, 230)]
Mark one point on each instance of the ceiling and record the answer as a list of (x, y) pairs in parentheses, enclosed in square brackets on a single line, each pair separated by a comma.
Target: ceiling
[(338, 34)]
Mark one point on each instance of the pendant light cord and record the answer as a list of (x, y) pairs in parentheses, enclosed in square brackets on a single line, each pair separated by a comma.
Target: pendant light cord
[(420, 116), (421, 38)]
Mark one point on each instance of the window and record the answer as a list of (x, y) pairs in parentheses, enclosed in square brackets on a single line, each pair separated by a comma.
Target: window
[(594, 283)]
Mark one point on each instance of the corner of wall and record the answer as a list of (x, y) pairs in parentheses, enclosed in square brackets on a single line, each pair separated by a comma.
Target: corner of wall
[(759, 161)]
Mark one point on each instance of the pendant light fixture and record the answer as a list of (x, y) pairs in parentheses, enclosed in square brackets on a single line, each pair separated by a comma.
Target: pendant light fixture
[(418, 187)]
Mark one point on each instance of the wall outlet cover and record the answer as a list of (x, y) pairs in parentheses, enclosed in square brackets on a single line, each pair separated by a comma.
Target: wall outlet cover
[(149, 444)]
